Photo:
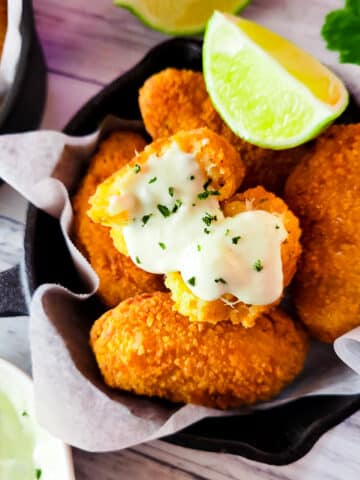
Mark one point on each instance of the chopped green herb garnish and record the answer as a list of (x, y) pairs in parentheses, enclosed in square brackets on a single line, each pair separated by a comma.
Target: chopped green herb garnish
[(207, 193), (138, 260), (203, 195), (207, 183), (145, 219), (206, 230), (25, 413), (192, 281), (163, 209), (235, 240), (207, 219), (227, 232), (38, 473), (194, 204), (171, 191), (137, 168), (177, 205), (220, 280), (162, 245), (192, 177), (198, 248), (277, 227), (258, 266), (152, 180)]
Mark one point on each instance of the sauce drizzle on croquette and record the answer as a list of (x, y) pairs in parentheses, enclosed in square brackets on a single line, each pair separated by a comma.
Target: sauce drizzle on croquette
[(160, 199)]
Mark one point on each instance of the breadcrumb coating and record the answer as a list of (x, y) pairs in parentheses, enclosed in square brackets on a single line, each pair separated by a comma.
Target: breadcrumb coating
[(145, 347), (3, 23), (199, 310), (174, 100), (324, 191), (216, 157), (119, 277)]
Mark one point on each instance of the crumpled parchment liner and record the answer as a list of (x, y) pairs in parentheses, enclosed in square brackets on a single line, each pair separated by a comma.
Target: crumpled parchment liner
[(73, 402)]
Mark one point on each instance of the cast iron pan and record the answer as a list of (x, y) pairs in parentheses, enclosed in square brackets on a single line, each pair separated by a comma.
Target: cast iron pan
[(277, 436)]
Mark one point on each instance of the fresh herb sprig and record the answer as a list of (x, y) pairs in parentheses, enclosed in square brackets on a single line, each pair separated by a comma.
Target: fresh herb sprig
[(341, 31)]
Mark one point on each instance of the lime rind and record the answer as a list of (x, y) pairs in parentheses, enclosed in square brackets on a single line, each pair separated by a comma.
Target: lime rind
[(319, 114), (197, 30)]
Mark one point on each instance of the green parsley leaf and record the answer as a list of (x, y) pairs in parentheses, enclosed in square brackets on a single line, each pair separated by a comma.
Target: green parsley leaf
[(341, 32), (277, 227), (207, 193), (152, 180), (171, 191), (138, 260), (25, 413), (192, 177), (206, 230), (145, 219), (207, 183), (137, 168), (163, 209), (207, 219), (162, 245), (220, 280), (235, 240), (38, 473), (258, 266), (177, 205), (198, 248), (192, 281)]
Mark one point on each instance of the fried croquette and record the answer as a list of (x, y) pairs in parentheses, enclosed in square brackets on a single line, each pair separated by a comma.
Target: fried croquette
[(324, 191), (217, 159), (175, 100), (119, 277), (3, 23), (145, 347), (229, 308)]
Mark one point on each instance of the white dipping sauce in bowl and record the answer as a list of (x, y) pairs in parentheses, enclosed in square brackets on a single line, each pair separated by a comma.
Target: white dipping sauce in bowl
[(27, 451)]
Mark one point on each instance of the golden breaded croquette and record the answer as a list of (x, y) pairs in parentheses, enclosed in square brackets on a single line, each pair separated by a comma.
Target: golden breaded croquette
[(145, 347), (324, 191), (174, 100), (3, 23), (119, 277), (199, 310), (217, 159)]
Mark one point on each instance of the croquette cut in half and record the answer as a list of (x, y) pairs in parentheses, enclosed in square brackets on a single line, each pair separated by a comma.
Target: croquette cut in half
[(228, 308), (119, 277), (174, 100), (324, 191), (218, 161), (144, 346)]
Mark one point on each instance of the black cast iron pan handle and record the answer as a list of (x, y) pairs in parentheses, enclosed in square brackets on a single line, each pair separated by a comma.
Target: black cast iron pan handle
[(12, 295)]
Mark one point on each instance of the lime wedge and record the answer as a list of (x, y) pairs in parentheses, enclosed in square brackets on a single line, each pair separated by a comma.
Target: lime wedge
[(267, 90), (181, 17)]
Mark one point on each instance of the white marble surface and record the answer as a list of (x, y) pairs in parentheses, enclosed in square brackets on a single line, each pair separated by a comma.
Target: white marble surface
[(87, 44)]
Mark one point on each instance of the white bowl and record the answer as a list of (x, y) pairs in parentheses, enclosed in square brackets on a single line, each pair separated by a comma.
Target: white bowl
[(50, 455)]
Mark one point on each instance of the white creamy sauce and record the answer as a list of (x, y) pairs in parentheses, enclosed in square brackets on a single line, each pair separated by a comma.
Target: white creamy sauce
[(241, 256), (27, 451), (171, 229)]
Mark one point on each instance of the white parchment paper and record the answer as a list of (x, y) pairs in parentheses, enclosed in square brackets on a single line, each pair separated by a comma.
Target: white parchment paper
[(73, 403)]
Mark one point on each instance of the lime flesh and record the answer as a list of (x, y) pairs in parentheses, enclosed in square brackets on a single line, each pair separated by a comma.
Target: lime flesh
[(265, 96)]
